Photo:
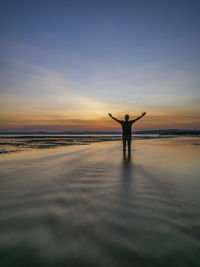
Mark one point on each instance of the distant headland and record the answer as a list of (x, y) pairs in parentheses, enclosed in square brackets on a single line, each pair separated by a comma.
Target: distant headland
[(159, 132)]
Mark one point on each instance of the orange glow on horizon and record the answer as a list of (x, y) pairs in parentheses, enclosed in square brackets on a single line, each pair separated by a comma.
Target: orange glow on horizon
[(32, 122)]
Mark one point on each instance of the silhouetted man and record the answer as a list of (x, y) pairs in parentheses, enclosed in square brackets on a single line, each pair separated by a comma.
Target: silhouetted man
[(126, 129)]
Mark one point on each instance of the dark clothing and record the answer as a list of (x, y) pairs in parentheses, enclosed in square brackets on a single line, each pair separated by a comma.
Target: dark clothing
[(126, 134), (126, 139), (126, 129)]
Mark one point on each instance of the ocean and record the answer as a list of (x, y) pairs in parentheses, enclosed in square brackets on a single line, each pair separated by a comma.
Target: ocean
[(91, 205)]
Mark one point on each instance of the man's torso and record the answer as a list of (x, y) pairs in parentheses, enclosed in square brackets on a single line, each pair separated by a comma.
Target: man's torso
[(126, 128)]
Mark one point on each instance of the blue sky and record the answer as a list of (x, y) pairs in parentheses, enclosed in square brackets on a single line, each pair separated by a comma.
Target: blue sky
[(78, 60)]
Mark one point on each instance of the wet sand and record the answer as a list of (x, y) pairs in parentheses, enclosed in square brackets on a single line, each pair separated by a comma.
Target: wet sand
[(20, 143), (91, 206)]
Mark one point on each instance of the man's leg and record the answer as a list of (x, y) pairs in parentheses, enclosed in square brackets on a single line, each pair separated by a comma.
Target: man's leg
[(129, 145), (124, 144)]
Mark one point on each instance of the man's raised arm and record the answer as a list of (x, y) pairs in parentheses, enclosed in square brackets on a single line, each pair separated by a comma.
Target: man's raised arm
[(110, 114), (139, 117)]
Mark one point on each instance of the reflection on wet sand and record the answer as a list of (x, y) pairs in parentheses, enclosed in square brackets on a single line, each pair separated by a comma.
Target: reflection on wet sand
[(127, 167), (126, 156)]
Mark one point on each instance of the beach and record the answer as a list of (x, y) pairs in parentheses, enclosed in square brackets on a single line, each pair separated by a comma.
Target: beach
[(89, 205)]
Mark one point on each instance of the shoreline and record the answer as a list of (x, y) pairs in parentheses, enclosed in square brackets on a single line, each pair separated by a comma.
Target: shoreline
[(20, 143)]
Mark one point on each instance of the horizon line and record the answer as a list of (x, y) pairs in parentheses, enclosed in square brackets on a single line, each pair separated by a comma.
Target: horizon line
[(93, 131)]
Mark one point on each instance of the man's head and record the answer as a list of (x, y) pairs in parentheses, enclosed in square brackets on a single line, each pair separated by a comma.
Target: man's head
[(126, 117)]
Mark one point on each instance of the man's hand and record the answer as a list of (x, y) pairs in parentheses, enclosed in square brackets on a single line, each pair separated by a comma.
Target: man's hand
[(110, 114), (143, 113)]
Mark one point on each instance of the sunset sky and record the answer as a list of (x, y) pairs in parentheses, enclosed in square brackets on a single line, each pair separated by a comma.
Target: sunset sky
[(65, 64)]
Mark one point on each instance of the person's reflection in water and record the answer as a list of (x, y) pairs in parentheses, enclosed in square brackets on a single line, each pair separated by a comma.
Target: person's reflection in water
[(126, 184), (126, 165), (126, 157)]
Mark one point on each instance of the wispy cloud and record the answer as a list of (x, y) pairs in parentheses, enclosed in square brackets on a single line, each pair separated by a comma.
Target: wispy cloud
[(36, 96)]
